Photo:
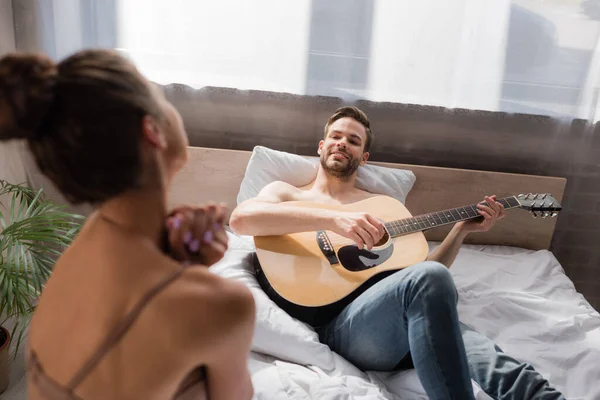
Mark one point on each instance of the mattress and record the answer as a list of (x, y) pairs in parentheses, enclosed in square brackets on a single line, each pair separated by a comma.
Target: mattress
[(519, 298)]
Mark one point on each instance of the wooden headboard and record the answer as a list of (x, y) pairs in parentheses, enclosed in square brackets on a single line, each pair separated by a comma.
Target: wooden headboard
[(216, 175)]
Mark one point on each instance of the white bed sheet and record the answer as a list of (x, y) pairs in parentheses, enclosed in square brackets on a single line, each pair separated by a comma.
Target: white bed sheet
[(519, 298)]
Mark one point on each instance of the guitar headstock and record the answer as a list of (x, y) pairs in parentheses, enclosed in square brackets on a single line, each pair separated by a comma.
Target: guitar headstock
[(539, 204)]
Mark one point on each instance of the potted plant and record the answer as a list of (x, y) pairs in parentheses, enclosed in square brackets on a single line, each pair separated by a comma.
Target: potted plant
[(33, 232)]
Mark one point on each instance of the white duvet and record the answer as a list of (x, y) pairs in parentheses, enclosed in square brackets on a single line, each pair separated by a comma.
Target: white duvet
[(521, 299)]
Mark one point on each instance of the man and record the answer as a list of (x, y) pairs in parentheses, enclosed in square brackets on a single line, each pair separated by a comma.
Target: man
[(410, 314)]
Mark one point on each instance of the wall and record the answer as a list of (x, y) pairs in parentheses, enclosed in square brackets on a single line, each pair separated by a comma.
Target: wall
[(7, 31), (424, 135), (11, 167), (16, 164)]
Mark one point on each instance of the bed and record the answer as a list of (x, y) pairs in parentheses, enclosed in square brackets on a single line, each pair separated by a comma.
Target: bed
[(511, 288)]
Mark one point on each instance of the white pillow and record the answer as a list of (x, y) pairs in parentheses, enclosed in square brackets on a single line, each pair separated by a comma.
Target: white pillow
[(276, 333), (267, 165)]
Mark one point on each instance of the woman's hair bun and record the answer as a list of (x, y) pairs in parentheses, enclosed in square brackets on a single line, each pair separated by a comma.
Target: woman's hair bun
[(27, 83)]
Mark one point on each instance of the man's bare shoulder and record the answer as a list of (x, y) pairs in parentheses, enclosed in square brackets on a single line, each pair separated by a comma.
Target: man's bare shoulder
[(279, 191), (280, 186)]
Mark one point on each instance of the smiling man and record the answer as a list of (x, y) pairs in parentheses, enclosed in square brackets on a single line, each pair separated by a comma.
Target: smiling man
[(409, 317)]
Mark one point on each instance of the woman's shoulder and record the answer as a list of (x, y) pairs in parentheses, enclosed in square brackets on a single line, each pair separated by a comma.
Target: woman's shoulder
[(204, 304)]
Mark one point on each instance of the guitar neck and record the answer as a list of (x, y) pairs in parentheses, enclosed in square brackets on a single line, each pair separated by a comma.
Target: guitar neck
[(433, 220)]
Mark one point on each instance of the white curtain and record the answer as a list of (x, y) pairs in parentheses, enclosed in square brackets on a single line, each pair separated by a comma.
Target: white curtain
[(528, 56), (231, 43), (534, 56)]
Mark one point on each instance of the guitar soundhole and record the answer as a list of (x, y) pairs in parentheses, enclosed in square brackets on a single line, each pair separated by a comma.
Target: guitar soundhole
[(354, 259), (383, 240)]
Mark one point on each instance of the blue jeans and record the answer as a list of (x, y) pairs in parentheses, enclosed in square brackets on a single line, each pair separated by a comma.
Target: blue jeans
[(411, 315)]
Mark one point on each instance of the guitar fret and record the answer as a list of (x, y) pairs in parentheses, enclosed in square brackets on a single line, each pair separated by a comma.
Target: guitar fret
[(415, 224), (475, 209), (439, 218), (410, 224), (506, 202), (511, 202), (470, 212), (426, 221), (397, 227), (390, 228), (401, 226), (431, 220), (455, 214), (444, 216)]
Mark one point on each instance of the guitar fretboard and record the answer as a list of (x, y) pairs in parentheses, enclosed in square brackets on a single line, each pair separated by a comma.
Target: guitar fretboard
[(445, 217)]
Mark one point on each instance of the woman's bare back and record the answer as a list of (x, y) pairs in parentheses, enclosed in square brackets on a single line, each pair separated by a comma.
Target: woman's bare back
[(95, 284)]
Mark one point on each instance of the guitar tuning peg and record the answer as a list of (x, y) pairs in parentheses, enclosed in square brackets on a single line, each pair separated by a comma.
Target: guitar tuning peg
[(546, 214), (554, 214), (534, 214)]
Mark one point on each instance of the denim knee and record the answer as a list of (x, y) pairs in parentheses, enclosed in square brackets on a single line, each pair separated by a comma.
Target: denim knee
[(435, 281)]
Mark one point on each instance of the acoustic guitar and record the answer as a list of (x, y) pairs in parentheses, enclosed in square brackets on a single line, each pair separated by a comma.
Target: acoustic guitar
[(314, 275)]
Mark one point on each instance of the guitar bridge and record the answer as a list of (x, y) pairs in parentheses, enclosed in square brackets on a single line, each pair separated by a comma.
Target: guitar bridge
[(326, 247)]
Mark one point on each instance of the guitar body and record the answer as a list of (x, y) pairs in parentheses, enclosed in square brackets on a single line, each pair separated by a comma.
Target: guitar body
[(314, 275)]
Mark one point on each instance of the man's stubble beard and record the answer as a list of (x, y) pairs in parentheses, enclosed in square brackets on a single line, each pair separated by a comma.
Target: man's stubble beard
[(343, 172)]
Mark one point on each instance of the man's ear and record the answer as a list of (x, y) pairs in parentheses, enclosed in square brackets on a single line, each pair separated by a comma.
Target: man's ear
[(320, 147), (152, 133), (365, 157)]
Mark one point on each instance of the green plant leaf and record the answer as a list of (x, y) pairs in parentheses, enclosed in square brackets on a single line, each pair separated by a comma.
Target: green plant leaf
[(20, 191), (33, 235)]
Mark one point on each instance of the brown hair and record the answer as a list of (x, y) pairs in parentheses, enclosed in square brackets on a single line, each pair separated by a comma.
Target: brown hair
[(356, 114), (81, 117)]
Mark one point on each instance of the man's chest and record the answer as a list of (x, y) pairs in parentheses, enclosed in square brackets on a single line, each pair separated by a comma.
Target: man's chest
[(312, 197)]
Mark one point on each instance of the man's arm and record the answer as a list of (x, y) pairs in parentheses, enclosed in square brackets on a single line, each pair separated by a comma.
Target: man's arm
[(266, 215), (446, 252)]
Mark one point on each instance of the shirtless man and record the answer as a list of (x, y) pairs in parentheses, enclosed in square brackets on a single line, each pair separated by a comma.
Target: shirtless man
[(409, 314)]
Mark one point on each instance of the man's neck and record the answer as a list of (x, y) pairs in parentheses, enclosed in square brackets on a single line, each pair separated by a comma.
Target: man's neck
[(332, 186)]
